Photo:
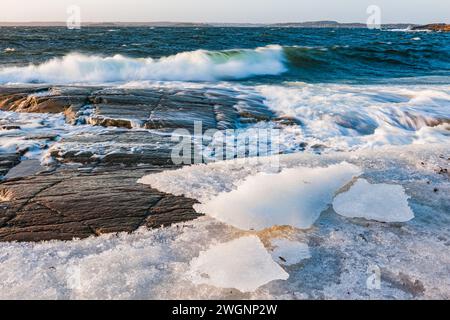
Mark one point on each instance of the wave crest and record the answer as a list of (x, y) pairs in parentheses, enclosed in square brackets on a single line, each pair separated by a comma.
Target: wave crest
[(200, 65)]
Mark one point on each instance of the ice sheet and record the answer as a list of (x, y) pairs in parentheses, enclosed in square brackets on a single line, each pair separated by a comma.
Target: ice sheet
[(293, 197), (243, 264), (287, 252), (380, 202)]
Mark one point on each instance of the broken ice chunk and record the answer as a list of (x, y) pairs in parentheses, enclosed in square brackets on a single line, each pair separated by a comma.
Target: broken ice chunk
[(288, 252), (380, 202), (293, 197), (243, 264)]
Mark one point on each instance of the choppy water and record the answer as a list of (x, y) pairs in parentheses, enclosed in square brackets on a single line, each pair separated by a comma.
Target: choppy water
[(289, 54), (350, 88)]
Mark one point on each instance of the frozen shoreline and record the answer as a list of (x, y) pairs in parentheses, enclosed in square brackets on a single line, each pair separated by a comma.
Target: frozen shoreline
[(109, 138), (156, 264), (95, 202)]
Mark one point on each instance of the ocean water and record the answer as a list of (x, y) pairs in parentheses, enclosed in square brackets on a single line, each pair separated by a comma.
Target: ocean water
[(287, 54), (350, 88), (373, 111)]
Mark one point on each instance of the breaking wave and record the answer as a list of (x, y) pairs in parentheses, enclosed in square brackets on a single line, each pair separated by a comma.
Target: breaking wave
[(288, 63), (200, 65)]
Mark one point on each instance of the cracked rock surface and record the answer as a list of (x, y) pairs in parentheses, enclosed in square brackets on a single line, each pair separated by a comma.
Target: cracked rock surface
[(91, 186)]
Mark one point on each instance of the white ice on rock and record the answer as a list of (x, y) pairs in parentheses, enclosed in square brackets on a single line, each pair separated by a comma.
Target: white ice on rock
[(242, 263), (287, 252), (154, 264), (380, 202), (34, 134), (26, 126), (293, 197)]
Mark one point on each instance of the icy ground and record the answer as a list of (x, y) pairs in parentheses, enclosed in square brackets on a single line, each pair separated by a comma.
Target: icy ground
[(337, 258)]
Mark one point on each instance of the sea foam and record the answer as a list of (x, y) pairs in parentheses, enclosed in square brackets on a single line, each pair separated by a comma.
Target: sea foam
[(200, 65), (349, 117)]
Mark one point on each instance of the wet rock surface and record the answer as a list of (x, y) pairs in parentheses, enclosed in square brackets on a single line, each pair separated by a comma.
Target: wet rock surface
[(7, 161), (126, 147), (90, 186), (158, 108)]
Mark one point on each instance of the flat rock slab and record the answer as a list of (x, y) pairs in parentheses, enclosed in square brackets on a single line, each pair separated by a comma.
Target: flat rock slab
[(8, 161), (24, 169), (92, 186), (71, 204), (152, 108), (127, 147)]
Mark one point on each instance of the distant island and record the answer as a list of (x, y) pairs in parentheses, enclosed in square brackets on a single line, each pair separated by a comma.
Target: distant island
[(308, 24), (434, 27)]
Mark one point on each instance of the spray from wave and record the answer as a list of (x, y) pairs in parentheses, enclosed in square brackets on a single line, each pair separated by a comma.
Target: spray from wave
[(200, 65), (288, 63)]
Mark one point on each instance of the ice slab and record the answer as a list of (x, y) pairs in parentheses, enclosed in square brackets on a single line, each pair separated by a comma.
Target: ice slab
[(243, 264), (380, 202), (293, 197), (287, 252)]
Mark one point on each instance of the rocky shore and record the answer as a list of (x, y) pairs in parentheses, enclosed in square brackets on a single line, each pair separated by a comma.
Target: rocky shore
[(89, 184), (434, 27)]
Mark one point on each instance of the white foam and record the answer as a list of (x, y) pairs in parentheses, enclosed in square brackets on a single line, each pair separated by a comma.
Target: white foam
[(29, 125), (35, 133), (380, 202), (197, 65), (409, 29), (350, 117), (287, 252), (243, 264), (344, 117)]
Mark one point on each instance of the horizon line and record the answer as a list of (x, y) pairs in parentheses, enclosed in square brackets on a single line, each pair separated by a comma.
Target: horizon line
[(210, 22)]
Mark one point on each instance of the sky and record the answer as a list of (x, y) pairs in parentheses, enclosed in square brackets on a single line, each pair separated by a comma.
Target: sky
[(248, 11)]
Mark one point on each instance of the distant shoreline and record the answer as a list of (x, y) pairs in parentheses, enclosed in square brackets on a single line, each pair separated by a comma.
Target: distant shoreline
[(308, 24)]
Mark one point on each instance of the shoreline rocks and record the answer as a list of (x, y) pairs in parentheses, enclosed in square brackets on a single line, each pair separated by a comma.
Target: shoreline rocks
[(69, 204), (90, 187), (434, 27)]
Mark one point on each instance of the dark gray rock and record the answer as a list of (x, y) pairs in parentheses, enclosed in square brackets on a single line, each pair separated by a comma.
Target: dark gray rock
[(7, 161), (71, 204), (91, 188), (156, 108)]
